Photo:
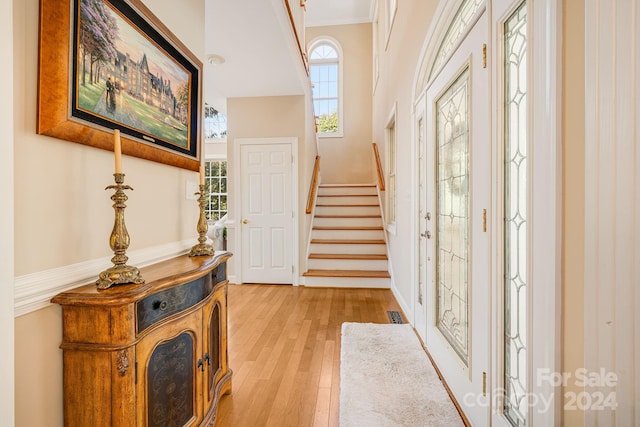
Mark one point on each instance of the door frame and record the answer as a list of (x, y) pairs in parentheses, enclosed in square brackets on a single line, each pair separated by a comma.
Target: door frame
[(419, 309), (545, 136), (237, 198), (546, 127)]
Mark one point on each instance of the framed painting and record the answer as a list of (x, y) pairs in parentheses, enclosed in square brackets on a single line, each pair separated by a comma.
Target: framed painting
[(111, 64)]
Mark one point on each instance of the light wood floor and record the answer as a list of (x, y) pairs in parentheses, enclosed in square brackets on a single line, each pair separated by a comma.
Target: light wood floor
[(284, 350)]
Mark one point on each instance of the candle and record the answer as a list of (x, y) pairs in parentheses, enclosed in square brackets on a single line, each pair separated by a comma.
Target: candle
[(201, 174), (117, 150)]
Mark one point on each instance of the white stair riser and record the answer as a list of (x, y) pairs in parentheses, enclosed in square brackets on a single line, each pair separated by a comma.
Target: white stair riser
[(348, 282), (347, 190), (350, 200), (348, 210), (317, 248), (348, 205), (347, 234), (348, 222), (348, 264)]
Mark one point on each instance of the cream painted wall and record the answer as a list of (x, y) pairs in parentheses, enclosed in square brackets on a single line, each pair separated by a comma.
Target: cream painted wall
[(268, 117), (397, 67), (64, 216), (215, 150), (574, 198), (59, 184), (6, 218), (348, 159)]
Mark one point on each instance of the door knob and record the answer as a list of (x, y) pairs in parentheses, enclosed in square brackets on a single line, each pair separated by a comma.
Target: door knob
[(426, 234), (245, 221)]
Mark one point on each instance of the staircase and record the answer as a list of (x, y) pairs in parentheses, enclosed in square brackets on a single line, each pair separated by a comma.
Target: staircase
[(347, 247)]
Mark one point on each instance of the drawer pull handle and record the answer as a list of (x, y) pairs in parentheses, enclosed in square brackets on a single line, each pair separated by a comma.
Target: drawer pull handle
[(162, 305)]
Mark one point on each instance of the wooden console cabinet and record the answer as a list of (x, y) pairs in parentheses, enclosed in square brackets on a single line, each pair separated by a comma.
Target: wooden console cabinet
[(148, 355)]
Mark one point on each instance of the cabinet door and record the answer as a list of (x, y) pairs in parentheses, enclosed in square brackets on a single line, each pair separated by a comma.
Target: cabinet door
[(169, 381), (215, 331)]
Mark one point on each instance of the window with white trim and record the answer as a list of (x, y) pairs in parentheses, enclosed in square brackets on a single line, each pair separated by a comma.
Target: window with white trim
[(390, 144), (215, 188), (326, 75), (215, 123), (375, 29), (392, 7)]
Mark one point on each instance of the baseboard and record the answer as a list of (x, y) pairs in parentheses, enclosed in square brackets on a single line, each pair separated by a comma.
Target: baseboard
[(406, 308), (34, 291)]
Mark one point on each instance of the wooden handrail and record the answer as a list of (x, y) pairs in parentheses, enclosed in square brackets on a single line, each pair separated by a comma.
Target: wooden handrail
[(378, 166), (314, 185), (303, 55)]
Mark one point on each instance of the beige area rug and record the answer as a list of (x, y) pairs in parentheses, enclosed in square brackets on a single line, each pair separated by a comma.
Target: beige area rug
[(386, 379)]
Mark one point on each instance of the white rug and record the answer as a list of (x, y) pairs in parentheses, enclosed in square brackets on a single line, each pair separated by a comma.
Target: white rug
[(386, 379)]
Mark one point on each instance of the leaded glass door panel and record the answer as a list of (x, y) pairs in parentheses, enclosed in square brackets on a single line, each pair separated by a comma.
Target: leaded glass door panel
[(458, 198)]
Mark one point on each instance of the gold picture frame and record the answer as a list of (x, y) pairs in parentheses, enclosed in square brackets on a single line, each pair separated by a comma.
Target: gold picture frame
[(167, 113)]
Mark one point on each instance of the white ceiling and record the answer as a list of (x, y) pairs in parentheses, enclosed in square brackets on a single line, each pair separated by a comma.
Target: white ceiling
[(338, 12), (256, 41), (257, 50)]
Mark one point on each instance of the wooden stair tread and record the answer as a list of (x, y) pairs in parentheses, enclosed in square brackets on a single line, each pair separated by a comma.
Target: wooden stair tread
[(346, 228), (349, 242), (349, 273), (346, 185), (343, 205), (347, 195), (348, 216), (350, 256)]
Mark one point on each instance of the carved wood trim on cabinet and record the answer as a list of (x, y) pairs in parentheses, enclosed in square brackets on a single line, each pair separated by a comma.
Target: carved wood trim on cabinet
[(148, 355)]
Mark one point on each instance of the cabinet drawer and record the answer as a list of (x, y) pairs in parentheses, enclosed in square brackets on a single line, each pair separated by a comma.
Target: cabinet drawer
[(171, 301), (219, 273)]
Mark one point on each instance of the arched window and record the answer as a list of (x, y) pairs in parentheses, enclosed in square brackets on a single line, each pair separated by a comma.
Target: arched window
[(326, 75), (432, 61)]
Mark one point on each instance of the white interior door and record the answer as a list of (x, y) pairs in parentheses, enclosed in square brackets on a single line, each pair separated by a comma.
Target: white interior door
[(458, 196), (267, 213)]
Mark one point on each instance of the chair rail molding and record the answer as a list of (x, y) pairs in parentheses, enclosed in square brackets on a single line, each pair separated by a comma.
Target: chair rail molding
[(34, 291)]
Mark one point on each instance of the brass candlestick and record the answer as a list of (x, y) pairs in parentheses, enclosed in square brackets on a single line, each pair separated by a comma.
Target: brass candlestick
[(202, 248), (120, 273)]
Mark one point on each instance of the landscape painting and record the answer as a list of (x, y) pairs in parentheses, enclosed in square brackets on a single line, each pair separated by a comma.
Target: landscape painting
[(127, 76)]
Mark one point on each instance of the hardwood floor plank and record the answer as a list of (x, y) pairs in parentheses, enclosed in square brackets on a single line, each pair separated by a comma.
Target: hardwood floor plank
[(323, 403), (284, 350), (326, 371)]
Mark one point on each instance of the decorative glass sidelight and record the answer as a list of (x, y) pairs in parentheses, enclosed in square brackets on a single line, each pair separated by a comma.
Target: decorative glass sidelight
[(452, 236), (515, 217)]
